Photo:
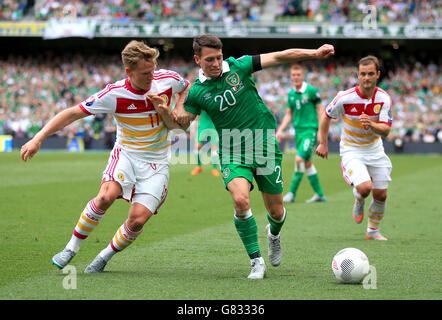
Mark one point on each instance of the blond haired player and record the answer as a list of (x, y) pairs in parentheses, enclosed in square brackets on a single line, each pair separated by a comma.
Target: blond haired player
[(138, 166), (366, 111)]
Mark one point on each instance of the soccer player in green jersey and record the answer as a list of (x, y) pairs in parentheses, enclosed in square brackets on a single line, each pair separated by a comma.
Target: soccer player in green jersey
[(303, 107), (206, 132), (248, 148)]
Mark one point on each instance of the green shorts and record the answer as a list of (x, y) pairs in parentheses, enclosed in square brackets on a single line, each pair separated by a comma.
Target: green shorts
[(305, 141), (267, 176)]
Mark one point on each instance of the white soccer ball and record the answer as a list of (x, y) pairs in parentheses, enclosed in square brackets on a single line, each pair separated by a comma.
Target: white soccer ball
[(350, 265)]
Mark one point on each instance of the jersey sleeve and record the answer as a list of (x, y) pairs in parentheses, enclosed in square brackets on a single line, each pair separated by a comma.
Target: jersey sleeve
[(178, 83), (386, 115), (191, 104), (245, 63), (335, 108), (100, 102)]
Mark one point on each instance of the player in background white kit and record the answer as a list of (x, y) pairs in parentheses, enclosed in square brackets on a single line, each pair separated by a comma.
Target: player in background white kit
[(138, 166), (366, 112)]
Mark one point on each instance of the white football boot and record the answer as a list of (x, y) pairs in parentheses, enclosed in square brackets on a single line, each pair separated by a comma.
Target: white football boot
[(258, 268), (275, 249)]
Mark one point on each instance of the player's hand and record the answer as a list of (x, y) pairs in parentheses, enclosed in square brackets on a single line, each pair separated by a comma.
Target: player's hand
[(158, 103), (325, 51), (365, 120), (181, 115), (29, 149), (279, 136), (322, 151)]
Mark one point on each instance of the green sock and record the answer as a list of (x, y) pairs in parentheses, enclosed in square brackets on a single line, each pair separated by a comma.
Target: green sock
[(198, 158), (248, 232), (314, 182), (275, 226), (296, 180)]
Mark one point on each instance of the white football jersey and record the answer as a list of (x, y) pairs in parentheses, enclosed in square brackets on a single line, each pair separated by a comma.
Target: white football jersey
[(349, 105), (140, 129)]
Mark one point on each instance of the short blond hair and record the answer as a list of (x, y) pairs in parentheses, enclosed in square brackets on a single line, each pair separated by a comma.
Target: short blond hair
[(136, 51)]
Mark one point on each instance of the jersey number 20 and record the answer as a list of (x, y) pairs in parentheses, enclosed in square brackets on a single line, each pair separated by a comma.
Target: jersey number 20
[(227, 97)]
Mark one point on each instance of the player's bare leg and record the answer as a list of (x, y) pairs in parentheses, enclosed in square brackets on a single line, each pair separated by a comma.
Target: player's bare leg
[(245, 225), (276, 217), (361, 191)]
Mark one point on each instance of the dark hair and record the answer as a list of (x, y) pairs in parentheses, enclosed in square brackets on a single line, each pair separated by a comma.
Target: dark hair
[(369, 60), (206, 40)]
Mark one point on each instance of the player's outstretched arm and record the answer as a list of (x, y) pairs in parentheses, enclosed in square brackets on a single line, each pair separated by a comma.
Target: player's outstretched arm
[(61, 120), (324, 125), (293, 55)]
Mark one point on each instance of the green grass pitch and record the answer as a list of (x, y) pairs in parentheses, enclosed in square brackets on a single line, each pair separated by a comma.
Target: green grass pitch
[(190, 250)]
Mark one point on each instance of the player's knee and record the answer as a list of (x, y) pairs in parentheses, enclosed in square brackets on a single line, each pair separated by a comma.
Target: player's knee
[(136, 223), (380, 195), (241, 202), (104, 200), (276, 212), (364, 189)]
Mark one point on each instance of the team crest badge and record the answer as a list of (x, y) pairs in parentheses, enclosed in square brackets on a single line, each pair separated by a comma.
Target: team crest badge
[(121, 177), (233, 79), (165, 98), (226, 173), (377, 108)]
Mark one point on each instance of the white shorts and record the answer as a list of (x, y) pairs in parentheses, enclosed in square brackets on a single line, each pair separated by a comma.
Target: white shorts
[(141, 182), (356, 171)]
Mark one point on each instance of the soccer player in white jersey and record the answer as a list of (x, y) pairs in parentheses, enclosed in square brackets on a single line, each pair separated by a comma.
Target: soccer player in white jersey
[(138, 166), (366, 111)]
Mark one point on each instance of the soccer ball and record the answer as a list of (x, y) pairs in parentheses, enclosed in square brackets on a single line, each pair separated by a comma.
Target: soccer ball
[(350, 265)]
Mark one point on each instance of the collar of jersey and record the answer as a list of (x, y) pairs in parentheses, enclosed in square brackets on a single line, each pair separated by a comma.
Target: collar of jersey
[(303, 87), (202, 77)]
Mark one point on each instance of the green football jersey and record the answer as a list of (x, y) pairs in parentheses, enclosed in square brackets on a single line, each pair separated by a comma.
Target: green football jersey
[(242, 120), (303, 105)]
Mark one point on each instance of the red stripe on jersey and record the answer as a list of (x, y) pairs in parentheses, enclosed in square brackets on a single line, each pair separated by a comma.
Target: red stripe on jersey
[(165, 77), (125, 105), (84, 109), (109, 88), (354, 109), (339, 96)]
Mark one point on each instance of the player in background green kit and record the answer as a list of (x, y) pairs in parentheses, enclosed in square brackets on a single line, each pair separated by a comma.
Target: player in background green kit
[(303, 108), (248, 148), (206, 132)]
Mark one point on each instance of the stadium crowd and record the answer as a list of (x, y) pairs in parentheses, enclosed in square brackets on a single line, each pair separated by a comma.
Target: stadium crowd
[(341, 11), (227, 11), (33, 89)]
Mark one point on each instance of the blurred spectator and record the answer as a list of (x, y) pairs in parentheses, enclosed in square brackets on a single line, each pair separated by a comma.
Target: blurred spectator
[(341, 11), (156, 10)]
